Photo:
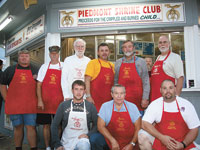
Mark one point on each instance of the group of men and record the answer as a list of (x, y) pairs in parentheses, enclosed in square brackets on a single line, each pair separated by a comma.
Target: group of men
[(99, 122)]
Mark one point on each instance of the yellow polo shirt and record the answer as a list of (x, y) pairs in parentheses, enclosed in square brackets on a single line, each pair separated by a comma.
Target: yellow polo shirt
[(93, 67)]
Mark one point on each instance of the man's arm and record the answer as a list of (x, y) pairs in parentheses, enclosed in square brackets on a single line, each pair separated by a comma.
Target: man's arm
[(166, 140), (117, 67), (179, 85), (104, 131), (137, 125), (191, 136), (4, 90), (93, 119), (87, 83), (55, 126), (145, 84), (39, 95)]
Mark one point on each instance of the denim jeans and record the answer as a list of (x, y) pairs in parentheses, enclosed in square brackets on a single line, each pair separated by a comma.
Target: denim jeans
[(82, 145), (98, 142)]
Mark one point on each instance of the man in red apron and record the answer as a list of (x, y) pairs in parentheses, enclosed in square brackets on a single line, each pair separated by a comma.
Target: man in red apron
[(131, 72), (79, 121), (119, 121), (49, 92), (99, 78), (167, 66), (175, 122), (20, 98)]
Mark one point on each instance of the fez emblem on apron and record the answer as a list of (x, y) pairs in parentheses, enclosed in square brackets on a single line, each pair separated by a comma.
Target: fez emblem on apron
[(172, 125), (126, 72), (52, 79), (107, 77), (23, 78), (120, 122), (77, 123)]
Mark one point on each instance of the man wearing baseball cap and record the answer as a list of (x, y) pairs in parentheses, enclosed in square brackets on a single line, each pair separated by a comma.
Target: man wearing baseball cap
[(49, 92)]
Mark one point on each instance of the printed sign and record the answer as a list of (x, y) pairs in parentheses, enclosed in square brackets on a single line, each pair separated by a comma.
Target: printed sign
[(28, 33), (120, 15)]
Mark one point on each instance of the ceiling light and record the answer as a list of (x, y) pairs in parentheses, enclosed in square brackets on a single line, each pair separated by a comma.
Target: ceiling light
[(5, 22)]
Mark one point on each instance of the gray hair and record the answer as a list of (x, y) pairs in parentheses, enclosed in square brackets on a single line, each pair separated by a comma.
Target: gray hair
[(79, 40), (118, 85), (23, 52)]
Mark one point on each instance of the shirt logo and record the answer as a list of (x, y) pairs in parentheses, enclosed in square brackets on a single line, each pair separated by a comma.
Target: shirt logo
[(126, 71), (79, 73), (77, 123), (121, 122), (172, 125), (107, 78), (52, 79), (23, 78)]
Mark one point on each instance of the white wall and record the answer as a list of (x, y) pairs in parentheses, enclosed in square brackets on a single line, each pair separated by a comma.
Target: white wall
[(50, 40), (192, 54)]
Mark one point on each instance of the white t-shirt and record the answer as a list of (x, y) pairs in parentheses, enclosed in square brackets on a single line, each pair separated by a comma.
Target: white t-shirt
[(73, 69), (44, 67), (173, 66), (154, 111)]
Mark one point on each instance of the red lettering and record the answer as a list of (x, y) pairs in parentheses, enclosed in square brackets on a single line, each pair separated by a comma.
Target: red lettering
[(116, 11), (137, 11), (144, 10), (80, 13), (90, 12), (158, 9), (153, 9), (148, 9), (86, 13)]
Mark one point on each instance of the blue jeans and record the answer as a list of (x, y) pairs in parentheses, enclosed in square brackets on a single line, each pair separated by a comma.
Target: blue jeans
[(82, 145), (26, 119), (98, 142), (142, 113)]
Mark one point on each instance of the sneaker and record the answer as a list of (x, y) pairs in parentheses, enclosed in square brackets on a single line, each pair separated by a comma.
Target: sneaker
[(48, 148)]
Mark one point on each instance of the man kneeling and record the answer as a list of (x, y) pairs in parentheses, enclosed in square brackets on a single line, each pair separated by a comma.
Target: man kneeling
[(172, 120), (76, 116)]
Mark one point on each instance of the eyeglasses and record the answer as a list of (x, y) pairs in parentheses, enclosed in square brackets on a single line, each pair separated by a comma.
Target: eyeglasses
[(80, 46), (164, 42)]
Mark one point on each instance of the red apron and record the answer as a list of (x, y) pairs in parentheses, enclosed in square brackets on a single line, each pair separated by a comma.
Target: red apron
[(157, 77), (21, 96), (129, 78), (121, 128), (173, 125), (101, 86), (51, 91)]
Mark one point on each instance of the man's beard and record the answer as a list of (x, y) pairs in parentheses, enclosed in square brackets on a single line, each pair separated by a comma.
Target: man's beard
[(163, 49), (78, 99), (80, 54), (128, 53)]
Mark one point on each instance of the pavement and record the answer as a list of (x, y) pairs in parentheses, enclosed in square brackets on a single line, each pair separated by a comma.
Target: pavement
[(7, 143)]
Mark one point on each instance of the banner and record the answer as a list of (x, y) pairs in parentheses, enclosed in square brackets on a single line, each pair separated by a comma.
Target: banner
[(120, 15), (28, 33)]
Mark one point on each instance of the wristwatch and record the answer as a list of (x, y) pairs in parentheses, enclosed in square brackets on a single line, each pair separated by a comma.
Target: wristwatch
[(132, 143), (88, 95)]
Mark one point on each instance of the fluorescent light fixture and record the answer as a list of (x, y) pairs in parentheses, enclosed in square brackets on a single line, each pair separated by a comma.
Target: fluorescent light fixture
[(5, 22)]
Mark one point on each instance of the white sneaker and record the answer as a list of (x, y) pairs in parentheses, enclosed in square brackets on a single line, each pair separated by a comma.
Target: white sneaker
[(48, 148)]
